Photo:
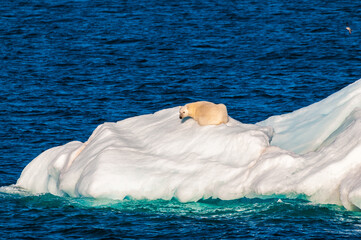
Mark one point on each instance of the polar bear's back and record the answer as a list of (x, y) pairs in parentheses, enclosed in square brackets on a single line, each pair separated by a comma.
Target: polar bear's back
[(207, 113)]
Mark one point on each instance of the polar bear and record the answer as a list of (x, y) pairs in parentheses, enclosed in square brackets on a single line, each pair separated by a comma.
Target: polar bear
[(205, 113)]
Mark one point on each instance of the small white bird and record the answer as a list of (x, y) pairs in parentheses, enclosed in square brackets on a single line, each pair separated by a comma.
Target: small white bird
[(348, 29)]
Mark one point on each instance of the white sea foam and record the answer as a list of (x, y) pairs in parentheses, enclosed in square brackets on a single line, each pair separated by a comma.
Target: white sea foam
[(315, 151)]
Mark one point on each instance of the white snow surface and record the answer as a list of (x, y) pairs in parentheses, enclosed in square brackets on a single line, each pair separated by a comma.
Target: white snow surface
[(314, 151)]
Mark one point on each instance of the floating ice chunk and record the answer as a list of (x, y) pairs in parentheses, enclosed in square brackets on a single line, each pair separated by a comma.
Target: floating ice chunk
[(315, 151)]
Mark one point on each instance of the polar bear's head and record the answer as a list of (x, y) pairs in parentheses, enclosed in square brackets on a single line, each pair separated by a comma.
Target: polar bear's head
[(183, 112)]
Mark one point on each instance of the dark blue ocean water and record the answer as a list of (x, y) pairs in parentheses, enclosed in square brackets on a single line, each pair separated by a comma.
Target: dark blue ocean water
[(68, 66)]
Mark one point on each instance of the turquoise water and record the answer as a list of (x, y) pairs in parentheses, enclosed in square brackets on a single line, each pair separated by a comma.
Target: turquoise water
[(49, 216), (68, 66)]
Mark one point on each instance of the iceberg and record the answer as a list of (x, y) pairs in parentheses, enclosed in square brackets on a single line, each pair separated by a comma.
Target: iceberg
[(314, 151)]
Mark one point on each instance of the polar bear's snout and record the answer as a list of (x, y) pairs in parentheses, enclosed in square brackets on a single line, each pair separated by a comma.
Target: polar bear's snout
[(183, 112)]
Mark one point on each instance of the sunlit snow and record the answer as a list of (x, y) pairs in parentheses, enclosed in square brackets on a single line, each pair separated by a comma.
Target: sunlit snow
[(314, 151)]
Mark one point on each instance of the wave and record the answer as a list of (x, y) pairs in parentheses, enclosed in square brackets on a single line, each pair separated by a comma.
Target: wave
[(314, 151)]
